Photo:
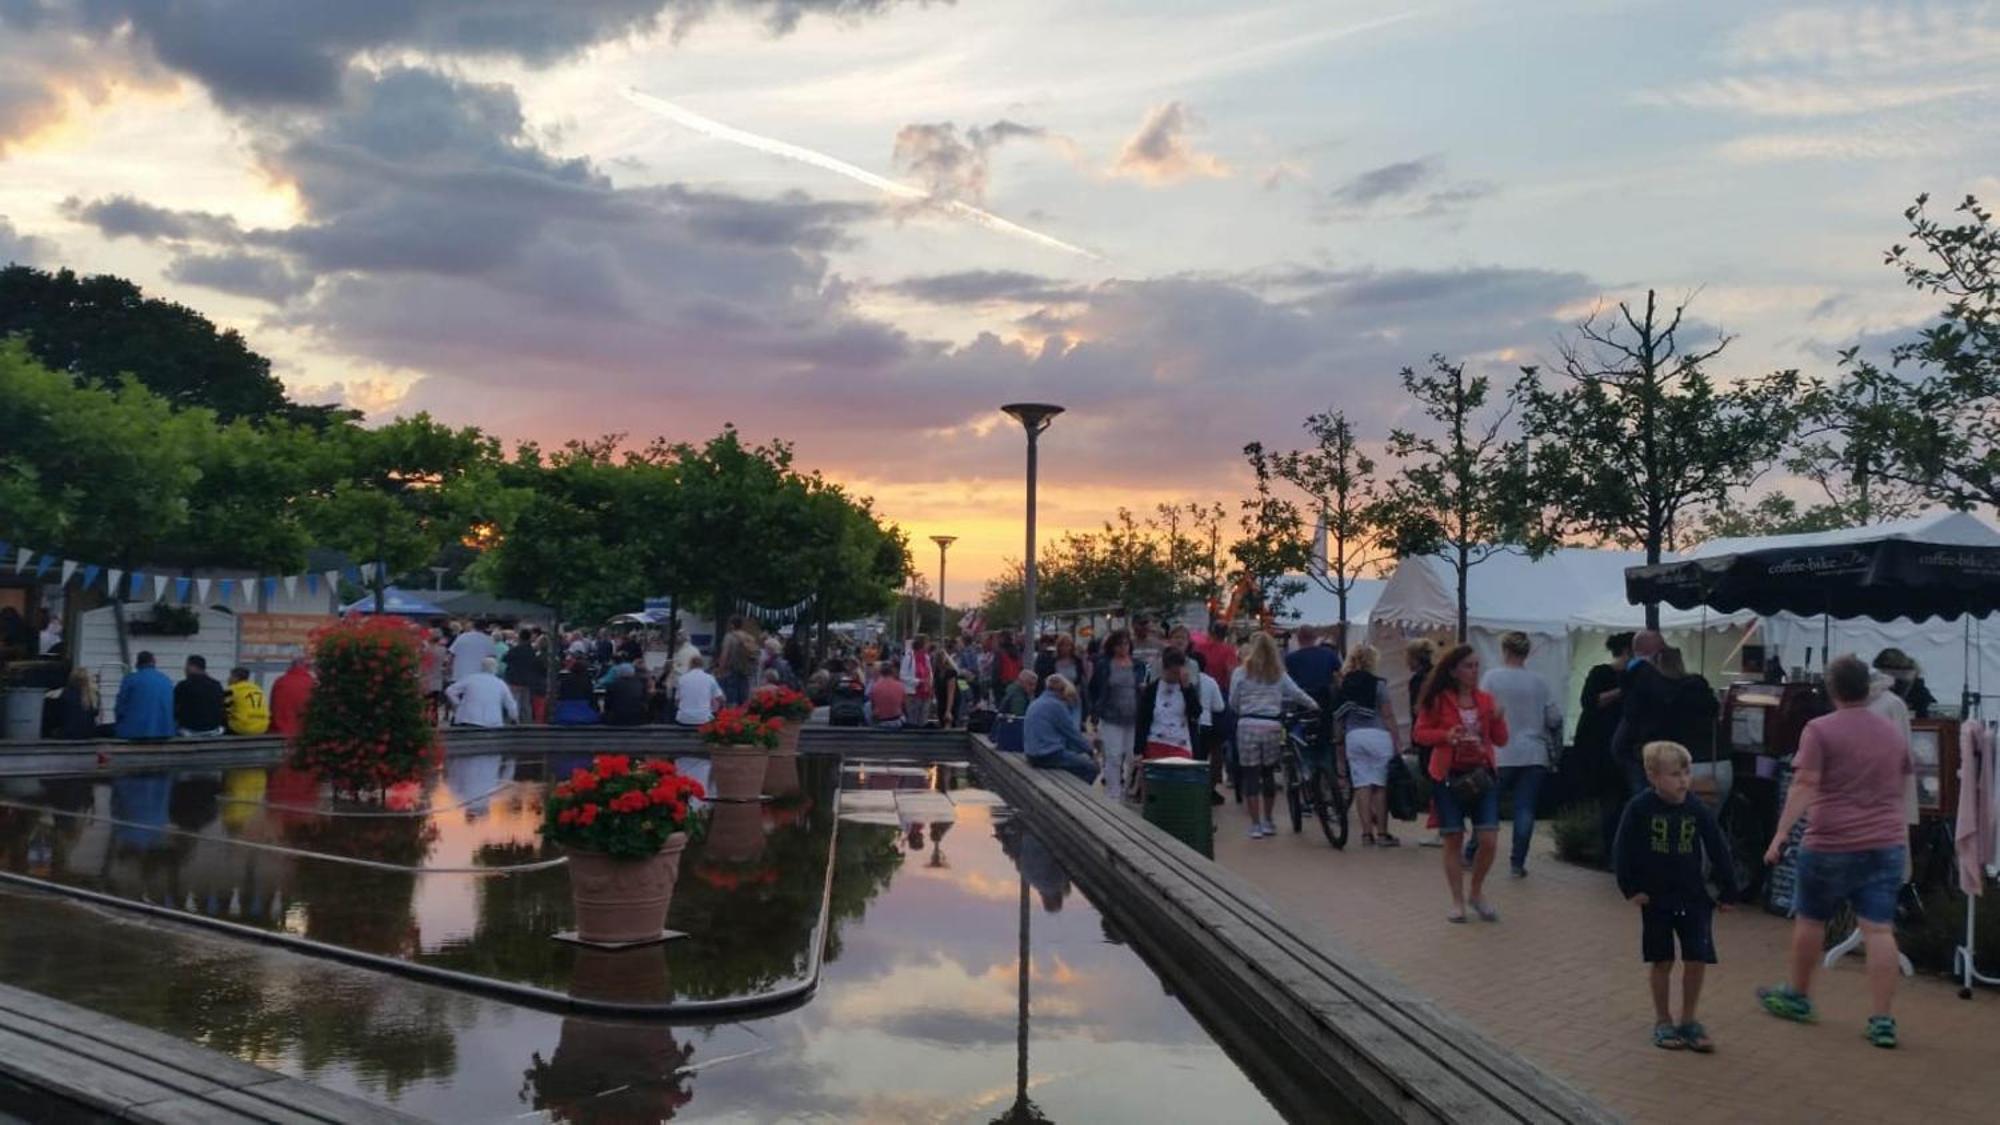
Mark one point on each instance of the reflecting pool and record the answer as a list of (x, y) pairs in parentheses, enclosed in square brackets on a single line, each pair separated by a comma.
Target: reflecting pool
[(961, 974)]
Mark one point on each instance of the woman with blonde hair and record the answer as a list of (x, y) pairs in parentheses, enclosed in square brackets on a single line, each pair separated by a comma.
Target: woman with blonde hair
[(1258, 691), (77, 708), (1368, 727)]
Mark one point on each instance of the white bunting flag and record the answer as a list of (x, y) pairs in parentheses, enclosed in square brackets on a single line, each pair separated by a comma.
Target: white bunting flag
[(291, 586), (68, 568), (201, 589), (22, 558), (249, 588), (160, 587), (112, 587)]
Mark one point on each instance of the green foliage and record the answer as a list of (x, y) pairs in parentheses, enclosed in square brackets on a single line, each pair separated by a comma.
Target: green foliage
[(1339, 484), (101, 329), (1461, 490), (1635, 436), (1152, 565), (1773, 513), (1579, 834), (364, 727)]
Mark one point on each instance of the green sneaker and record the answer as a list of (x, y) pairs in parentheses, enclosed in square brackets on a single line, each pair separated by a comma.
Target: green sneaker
[(1882, 1031), (1782, 1002)]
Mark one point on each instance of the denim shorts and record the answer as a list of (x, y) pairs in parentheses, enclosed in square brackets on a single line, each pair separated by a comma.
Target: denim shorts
[(1484, 813), (1868, 879)]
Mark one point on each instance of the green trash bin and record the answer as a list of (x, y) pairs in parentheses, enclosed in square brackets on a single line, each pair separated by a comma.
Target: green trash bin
[(1177, 800)]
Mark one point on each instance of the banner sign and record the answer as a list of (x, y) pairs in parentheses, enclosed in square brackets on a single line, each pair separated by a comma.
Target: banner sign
[(271, 638)]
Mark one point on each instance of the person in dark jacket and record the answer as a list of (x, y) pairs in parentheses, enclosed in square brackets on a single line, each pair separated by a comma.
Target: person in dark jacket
[(76, 709), (576, 704), (1167, 727), (1644, 696), (625, 702), (521, 667), (198, 701)]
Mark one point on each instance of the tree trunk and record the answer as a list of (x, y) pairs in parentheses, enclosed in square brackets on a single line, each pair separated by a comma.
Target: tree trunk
[(1653, 559), (1464, 565)]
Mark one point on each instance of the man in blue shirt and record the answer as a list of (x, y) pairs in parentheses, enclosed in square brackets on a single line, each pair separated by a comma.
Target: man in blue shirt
[(1050, 736), (145, 702), (1315, 667)]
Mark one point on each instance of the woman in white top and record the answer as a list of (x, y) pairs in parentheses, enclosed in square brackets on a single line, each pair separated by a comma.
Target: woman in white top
[(1258, 690)]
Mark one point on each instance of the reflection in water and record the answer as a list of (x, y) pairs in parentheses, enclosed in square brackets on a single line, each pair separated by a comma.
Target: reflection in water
[(969, 987)]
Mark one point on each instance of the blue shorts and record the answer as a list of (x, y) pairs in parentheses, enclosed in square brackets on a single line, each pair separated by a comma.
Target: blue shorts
[(1692, 927), (1867, 879), (1485, 813)]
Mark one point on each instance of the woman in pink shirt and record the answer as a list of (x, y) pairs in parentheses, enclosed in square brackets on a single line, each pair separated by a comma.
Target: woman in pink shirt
[(1847, 781)]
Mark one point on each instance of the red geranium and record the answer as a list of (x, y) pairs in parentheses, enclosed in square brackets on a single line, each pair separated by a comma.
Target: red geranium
[(619, 809), (364, 726), (776, 701), (736, 726)]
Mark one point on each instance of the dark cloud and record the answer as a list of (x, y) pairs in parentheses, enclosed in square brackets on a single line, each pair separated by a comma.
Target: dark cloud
[(22, 249), (249, 275), (124, 216), (954, 166), (1161, 153), (976, 287), (296, 52), (1406, 189)]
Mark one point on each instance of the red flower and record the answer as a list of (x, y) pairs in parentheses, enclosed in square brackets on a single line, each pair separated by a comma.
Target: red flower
[(587, 815), (613, 765), (567, 816), (582, 780)]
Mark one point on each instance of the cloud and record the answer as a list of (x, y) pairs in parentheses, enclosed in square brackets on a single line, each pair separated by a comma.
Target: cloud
[(950, 166), (977, 287), (250, 275), (125, 216), (1160, 153), (1411, 189), (22, 249), (1769, 96)]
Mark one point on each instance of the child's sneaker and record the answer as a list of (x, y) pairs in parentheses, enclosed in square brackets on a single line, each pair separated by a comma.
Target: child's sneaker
[(1696, 1038), (1782, 1002), (1882, 1031), (1667, 1036)]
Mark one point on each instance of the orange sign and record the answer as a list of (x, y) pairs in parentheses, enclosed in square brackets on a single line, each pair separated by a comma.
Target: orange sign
[(276, 637)]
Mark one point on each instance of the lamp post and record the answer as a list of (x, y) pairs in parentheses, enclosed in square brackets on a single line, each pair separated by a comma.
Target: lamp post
[(943, 541), (1034, 418)]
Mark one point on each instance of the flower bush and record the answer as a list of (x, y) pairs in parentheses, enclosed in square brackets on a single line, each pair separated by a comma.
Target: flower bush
[(776, 701), (737, 726), (364, 728), (620, 809)]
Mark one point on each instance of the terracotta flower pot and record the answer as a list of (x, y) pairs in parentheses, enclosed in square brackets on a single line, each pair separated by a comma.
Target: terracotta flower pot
[(781, 775), (735, 832), (624, 900), (788, 737), (736, 773)]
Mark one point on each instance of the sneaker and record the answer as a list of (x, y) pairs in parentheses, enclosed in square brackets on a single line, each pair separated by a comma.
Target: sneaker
[(1667, 1037), (1485, 910), (1881, 1031), (1256, 831), (1518, 872), (1782, 1002), (1431, 842)]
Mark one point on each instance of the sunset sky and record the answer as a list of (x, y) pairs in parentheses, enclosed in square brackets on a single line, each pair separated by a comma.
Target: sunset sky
[(863, 224)]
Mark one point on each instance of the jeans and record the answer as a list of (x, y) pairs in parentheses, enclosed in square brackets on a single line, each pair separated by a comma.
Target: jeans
[(1082, 765), (1868, 879), (735, 688), (1525, 782), (1117, 757)]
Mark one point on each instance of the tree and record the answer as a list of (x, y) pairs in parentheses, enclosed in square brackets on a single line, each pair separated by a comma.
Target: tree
[(1273, 544), (1932, 421), (1338, 481), (1635, 435), (102, 328), (1460, 493), (1773, 513)]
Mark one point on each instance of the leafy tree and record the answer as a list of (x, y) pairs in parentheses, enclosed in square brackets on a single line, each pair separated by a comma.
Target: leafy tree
[(1931, 422), (1338, 481), (103, 328), (1635, 436), (1192, 534), (577, 543), (1273, 544), (1773, 513), (1460, 492)]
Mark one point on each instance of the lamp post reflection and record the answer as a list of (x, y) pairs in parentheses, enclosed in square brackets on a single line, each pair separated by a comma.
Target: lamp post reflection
[(1024, 1111)]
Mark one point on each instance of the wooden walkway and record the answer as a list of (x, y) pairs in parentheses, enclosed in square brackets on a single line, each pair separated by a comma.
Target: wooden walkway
[(84, 1066)]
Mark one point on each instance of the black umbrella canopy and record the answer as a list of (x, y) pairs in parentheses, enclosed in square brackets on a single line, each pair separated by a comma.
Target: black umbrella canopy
[(1885, 578)]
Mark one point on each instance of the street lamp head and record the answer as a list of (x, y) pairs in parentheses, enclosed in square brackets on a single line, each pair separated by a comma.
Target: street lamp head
[(944, 541), (1033, 416)]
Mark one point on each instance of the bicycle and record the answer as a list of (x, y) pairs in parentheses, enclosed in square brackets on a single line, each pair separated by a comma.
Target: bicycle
[(1309, 790)]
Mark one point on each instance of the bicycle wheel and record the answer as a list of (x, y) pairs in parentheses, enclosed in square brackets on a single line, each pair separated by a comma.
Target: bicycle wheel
[(1331, 798), (1294, 799)]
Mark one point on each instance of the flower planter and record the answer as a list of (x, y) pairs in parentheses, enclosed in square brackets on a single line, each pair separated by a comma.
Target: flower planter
[(736, 773), (781, 774), (620, 901), (788, 737), (735, 833)]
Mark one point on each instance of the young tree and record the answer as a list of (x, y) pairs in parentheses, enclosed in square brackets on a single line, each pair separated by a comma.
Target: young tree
[(1273, 544), (1460, 492), (1932, 421), (1634, 436), (1338, 481)]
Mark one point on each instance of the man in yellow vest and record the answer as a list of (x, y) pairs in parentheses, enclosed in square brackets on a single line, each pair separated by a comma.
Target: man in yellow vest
[(245, 709)]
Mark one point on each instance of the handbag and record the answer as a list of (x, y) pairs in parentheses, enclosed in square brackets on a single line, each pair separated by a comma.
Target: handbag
[(1468, 786), (1402, 790)]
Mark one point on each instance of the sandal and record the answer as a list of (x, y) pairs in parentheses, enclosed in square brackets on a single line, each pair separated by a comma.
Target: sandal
[(1368, 839), (1881, 1031), (1387, 841), (1485, 911), (1696, 1038), (1782, 1002), (1667, 1037), (1456, 917)]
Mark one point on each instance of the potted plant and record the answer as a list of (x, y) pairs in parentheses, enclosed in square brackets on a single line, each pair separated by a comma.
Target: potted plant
[(364, 729), (792, 709), (739, 745), (624, 828)]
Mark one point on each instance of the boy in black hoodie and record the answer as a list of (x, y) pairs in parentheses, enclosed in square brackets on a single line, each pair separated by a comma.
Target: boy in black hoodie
[(1662, 838)]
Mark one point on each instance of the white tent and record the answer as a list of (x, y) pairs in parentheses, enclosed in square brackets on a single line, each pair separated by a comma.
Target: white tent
[(1320, 609), (1567, 601), (1952, 654)]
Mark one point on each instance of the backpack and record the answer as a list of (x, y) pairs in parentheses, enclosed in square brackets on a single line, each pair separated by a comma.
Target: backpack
[(846, 712)]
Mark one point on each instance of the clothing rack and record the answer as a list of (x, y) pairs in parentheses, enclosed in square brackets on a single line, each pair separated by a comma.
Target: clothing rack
[(1963, 961)]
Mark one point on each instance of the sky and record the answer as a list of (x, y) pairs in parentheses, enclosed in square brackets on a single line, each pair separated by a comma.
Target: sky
[(863, 225)]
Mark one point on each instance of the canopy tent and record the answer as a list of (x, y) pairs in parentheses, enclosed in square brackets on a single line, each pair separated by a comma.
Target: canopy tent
[(482, 606), (1318, 607), (1568, 602), (1941, 565), (396, 600), (1860, 590)]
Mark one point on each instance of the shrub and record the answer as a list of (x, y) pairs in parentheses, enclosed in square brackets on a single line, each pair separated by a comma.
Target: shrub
[(364, 727), (1928, 939), (1580, 834)]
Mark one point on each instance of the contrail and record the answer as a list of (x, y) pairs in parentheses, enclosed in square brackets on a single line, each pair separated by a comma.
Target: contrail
[(712, 128)]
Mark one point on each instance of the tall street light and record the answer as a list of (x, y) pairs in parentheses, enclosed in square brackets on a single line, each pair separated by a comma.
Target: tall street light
[(1034, 418), (943, 541)]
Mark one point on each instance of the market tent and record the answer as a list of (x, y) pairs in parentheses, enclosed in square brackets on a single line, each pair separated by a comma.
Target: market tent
[(1568, 601), (1940, 565), (1320, 609), (396, 600), (482, 606)]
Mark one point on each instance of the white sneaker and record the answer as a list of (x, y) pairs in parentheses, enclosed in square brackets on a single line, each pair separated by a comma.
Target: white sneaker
[(1256, 831)]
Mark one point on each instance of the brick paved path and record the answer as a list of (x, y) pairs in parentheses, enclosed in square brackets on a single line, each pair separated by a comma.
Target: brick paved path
[(1559, 980)]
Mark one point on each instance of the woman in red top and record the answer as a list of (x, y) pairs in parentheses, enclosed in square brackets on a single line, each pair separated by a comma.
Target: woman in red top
[(1462, 725)]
